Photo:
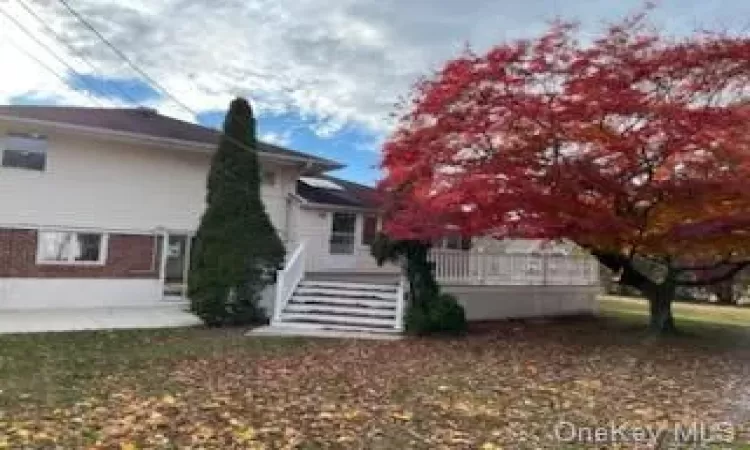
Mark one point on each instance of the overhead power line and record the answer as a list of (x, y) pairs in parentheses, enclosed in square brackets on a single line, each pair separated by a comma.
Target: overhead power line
[(154, 83), (122, 92), (125, 58)]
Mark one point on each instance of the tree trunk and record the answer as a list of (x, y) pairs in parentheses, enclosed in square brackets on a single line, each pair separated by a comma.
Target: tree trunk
[(660, 306)]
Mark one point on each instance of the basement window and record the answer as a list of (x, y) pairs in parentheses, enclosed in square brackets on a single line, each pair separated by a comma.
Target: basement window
[(71, 247), (24, 151)]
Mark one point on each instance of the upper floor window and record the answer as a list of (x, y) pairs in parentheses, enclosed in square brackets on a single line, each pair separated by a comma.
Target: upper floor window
[(70, 247), (24, 151)]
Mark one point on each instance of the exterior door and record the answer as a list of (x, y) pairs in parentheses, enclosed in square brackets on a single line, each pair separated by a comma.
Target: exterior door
[(342, 241), (175, 265)]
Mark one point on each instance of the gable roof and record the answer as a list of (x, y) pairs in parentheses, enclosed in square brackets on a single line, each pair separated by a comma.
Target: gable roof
[(351, 194), (141, 121)]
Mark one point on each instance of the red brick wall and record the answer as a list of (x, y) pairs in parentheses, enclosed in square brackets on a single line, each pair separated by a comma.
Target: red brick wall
[(128, 256)]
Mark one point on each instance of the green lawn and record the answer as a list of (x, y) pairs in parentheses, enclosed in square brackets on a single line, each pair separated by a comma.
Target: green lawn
[(712, 322), (504, 385)]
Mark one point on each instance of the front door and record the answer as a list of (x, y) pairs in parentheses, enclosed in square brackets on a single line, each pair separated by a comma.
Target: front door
[(342, 241), (175, 265)]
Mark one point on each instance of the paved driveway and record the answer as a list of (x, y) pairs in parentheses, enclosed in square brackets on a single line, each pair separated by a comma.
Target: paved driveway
[(35, 321)]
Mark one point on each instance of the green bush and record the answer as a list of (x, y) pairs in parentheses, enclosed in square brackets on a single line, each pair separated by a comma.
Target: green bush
[(441, 314)]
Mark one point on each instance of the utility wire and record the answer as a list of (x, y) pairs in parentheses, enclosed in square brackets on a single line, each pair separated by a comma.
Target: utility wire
[(125, 58), (42, 44), (75, 51), (142, 73)]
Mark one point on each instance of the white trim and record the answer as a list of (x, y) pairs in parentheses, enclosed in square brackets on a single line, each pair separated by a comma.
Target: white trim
[(186, 267), (154, 252), (128, 231), (163, 263), (103, 249)]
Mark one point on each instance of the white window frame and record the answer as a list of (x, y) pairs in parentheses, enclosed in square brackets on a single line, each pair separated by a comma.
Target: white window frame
[(103, 251)]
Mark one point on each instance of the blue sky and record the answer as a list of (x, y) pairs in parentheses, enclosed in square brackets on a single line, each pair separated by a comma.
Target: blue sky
[(353, 145), (323, 75)]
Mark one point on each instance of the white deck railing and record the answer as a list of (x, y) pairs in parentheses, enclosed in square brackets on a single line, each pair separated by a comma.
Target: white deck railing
[(287, 280), (490, 268)]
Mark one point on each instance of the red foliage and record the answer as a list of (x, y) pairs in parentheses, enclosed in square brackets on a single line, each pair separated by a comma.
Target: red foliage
[(631, 143)]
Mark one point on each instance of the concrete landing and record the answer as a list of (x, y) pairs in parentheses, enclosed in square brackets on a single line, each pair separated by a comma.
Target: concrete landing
[(41, 321), (280, 331)]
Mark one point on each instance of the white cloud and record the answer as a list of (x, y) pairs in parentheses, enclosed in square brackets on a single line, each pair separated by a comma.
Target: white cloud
[(335, 62), (282, 139)]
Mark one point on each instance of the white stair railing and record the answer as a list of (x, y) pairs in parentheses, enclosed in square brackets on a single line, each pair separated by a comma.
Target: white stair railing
[(287, 280)]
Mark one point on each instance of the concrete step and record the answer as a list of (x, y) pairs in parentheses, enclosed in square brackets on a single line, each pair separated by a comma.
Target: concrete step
[(345, 301), (338, 327), (339, 310), (325, 319), (337, 292)]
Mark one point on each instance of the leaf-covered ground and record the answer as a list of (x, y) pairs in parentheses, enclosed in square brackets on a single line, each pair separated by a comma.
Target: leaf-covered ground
[(503, 386)]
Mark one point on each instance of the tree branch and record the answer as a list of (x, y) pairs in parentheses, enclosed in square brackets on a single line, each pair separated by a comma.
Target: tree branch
[(630, 276)]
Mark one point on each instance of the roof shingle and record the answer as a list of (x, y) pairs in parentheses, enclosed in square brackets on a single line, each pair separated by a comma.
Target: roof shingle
[(352, 194)]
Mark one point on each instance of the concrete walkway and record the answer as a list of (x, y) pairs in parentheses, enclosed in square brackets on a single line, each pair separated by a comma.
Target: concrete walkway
[(39, 321)]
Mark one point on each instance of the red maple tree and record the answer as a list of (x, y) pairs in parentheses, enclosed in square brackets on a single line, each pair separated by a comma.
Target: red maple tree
[(633, 145)]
